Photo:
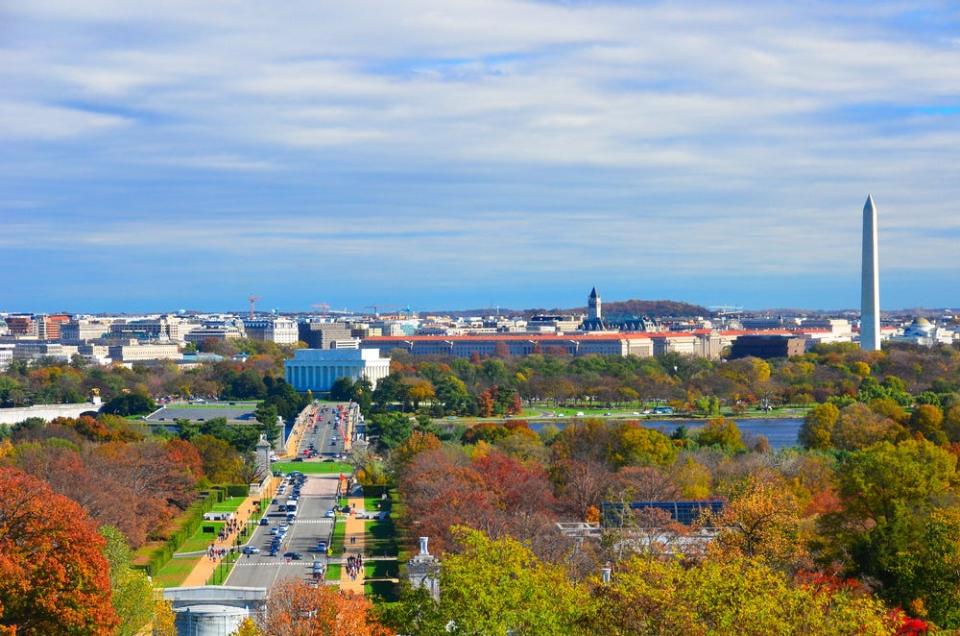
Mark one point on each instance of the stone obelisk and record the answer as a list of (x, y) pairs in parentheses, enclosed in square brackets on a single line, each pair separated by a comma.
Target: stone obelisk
[(870, 281)]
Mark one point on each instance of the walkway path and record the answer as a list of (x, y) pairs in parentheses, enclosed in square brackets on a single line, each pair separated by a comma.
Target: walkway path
[(353, 545), (204, 569)]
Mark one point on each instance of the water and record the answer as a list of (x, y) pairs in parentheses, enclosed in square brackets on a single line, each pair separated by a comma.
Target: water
[(781, 432)]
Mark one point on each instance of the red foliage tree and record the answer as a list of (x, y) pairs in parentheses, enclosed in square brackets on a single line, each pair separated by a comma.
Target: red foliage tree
[(54, 578), (297, 609)]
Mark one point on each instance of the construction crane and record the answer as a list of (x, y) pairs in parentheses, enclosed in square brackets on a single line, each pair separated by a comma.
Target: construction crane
[(253, 304)]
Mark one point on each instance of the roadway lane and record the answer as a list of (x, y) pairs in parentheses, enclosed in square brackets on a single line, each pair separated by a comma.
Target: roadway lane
[(317, 496)]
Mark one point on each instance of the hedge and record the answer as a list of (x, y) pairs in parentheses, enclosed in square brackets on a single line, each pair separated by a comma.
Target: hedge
[(193, 517)]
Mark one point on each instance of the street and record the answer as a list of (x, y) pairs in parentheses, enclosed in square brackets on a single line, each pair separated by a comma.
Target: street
[(317, 496)]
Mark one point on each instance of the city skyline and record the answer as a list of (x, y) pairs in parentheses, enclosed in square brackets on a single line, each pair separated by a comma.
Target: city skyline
[(714, 157)]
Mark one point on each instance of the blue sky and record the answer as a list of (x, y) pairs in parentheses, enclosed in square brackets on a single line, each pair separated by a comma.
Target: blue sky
[(466, 153)]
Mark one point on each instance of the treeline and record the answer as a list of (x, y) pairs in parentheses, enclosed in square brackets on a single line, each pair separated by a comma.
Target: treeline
[(64, 481), (865, 535), (505, 385), (52, 382)]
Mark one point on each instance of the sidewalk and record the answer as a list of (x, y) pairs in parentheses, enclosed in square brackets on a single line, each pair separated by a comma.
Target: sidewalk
[(204, 569), (355, 528), (300, 426)]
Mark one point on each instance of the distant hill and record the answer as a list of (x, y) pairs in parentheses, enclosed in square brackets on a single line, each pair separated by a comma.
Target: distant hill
[(652, 308)]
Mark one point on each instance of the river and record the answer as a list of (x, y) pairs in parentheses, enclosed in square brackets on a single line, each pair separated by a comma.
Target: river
[(781, 432)]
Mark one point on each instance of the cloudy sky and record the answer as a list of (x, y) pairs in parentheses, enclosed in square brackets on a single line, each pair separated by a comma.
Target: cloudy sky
[(462, 153)]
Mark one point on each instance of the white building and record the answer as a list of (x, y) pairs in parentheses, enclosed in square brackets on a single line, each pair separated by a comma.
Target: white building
[(138, 352), (923, 332), (6, 355), (318, 369), (279, 330), (83, 329)]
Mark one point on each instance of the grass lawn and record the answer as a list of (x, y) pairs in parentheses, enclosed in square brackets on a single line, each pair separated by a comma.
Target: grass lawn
[(223, 569), (381, 591), (375, 504), (199, 540), (230, 504), (381, 569), (314, 468), (175, 572), (333, 572), (380, 538), (339, 534)]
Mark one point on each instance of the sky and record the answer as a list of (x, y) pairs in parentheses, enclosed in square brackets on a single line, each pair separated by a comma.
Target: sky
[(467, 153)]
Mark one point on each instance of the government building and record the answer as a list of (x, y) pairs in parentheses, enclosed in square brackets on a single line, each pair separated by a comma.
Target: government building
[(317, 369)]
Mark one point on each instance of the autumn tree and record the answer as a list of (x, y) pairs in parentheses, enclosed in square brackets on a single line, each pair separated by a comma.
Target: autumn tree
[(723, 433), (734, 596), (297, 609), (54, 578), (818, 426), (131, 589), (499, 587), (897, 526)]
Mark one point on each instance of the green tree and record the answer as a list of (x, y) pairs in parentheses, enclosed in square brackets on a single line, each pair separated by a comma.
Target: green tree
[(391, 429), (818, 426), (267, 416), (927, 420), (498, 587), (132, 593), (722, 432), (896, 527)]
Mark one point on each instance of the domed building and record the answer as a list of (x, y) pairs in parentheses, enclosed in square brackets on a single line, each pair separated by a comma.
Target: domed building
[(925, 333)]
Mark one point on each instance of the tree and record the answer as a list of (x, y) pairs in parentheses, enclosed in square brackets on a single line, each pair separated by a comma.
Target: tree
[(660, 597), (129, 404), (267, 416), (818, 426), (297, 609), (131, 589), (248, 628), (222, 464), (164, 618), (391, 429), (927, 420), (498, 587), (860, 427), (894, 528), (721, 432), (54, 578), (342, 389)]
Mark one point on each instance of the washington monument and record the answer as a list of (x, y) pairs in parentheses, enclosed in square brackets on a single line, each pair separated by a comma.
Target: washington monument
[(870, 281)]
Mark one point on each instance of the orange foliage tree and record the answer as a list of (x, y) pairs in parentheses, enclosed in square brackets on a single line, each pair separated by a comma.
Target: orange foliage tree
[(54, 578), (294, 608)]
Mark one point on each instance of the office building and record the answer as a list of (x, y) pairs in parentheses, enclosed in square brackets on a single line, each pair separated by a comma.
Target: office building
[(317, 369), (767, 346), (279, 330), (83, 329), (142, 352), (320, 335), (6, 355)]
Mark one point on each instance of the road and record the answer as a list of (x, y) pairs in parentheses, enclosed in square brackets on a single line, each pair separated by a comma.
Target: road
[(317, 496)]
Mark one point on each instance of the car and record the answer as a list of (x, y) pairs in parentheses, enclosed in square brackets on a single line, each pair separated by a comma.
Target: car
[(298, 459), (249, 549), (322, 546), (264, 521), (296, 556), (329, 514), (283, 529), (381, 516)]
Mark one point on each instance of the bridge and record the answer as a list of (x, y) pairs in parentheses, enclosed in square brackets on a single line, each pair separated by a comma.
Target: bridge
[(49, 411)]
